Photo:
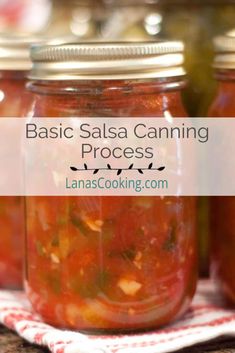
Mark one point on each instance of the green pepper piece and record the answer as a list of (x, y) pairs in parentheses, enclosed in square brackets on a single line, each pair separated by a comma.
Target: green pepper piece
[(54, 281), (170, 243), (108, 229), (55, 240), (129, 254), (102, 279), (78, 223), (39, 248), (90, 289)]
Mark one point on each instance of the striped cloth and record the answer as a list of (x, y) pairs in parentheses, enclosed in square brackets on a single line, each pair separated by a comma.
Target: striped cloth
[(206, 319)]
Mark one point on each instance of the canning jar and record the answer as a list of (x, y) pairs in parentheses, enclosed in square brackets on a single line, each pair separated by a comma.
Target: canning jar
[(223, 208), (14, 102), (109, 263)]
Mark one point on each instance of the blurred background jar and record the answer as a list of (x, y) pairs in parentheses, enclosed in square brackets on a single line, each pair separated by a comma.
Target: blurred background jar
[(195, 22), (89, 258), (14, 102), (28, 16), (223, 208)]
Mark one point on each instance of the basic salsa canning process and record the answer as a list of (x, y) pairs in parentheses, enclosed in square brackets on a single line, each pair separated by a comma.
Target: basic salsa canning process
[(140, 131)]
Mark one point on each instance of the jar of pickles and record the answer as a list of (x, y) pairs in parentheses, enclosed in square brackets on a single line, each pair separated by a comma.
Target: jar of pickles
[(223, 208), (14, 102), (103, 263)]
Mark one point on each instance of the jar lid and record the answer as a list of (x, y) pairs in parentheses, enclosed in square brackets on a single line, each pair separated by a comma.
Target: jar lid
[(107, 61), (15, 51), (225, 51)]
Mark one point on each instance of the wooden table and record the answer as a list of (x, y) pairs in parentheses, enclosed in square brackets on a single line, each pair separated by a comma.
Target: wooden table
[(11, 343)]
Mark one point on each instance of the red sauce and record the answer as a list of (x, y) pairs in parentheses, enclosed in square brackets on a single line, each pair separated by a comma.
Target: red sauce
[(223, 208), (14, 101), (110, 263)]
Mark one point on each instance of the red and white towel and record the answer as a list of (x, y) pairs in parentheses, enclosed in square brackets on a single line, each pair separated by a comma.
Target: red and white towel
[(206, 319)]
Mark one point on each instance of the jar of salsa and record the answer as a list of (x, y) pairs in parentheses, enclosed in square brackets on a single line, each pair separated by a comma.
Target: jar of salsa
[(103, 263), (223, 208), (14, 102)]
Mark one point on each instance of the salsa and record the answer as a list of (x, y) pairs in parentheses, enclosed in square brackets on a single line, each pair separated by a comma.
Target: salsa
[(223, 208), (110, 263), (11, 242), (14, 101)]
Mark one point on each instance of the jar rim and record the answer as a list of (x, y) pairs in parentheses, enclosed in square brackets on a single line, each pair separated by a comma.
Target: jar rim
[(107, 60)]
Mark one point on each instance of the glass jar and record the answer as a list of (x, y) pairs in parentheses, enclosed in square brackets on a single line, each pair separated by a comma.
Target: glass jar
[(110, 263), (14, 102), (223, 208)]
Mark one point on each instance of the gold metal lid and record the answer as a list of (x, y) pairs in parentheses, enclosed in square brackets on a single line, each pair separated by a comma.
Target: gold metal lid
[(15, 51), (225, 51), (107, 61)]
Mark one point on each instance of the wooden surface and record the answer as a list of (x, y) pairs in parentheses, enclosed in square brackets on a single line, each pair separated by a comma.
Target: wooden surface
[(11, 343)]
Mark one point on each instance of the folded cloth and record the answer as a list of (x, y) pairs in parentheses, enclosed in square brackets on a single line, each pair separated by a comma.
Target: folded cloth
[(206, 319)]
